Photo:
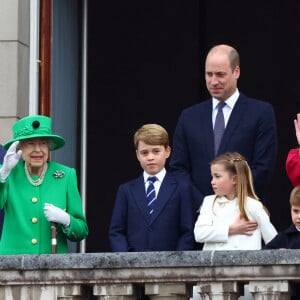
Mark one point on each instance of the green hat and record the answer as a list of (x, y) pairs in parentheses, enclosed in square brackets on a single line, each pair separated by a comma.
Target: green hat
[(35, 127)]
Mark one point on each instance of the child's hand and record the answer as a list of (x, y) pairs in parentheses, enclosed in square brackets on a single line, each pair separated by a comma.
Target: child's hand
[(241, 226)]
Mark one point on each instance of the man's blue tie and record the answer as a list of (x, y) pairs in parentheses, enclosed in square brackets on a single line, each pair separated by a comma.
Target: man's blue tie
[(219, 125), (151, 194)]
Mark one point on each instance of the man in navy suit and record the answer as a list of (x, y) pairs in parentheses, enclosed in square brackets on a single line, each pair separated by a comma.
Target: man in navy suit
[(250, 127), (169, 225)]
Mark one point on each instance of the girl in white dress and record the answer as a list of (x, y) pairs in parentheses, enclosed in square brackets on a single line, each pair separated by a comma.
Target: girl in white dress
[(233, 218)]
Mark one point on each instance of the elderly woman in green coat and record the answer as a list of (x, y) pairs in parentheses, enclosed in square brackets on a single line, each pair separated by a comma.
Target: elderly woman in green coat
[(37, 193)]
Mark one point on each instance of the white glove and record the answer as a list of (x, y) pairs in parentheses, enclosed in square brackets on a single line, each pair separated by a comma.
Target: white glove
[(56, 214), (11, 158)]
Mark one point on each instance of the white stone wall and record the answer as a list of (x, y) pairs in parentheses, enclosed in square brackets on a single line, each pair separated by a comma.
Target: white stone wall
[(14, 63)]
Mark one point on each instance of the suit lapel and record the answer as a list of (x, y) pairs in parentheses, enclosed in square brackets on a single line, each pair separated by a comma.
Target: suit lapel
[(233, 122), (166, 190), (140, 196)]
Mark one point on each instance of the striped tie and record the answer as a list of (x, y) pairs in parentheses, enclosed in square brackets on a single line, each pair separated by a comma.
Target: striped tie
[(150, 194)]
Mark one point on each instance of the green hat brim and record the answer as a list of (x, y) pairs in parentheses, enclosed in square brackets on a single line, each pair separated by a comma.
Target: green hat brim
[(57, 141)]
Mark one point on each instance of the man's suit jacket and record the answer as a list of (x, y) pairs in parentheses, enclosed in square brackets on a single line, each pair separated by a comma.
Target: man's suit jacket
[(169, 229), (251, 131)]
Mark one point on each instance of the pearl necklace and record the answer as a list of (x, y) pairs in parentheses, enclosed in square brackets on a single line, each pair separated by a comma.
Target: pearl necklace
[(38, 181)]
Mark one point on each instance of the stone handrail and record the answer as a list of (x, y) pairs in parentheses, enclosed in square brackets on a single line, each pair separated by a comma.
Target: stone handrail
[(163, 275)]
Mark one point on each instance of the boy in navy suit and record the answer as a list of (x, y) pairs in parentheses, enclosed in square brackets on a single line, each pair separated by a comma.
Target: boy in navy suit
[(290, 237), (168, 225)]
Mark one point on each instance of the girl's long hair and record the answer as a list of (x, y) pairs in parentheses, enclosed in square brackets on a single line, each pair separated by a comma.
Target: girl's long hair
[(236, 164)]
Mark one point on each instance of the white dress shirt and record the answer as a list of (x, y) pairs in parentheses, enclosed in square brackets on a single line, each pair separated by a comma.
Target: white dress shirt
[(160, 177), (227, 109)]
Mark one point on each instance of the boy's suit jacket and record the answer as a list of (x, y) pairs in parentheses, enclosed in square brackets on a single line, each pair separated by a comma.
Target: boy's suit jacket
[(287, 239), (251, 131), (171, 226)]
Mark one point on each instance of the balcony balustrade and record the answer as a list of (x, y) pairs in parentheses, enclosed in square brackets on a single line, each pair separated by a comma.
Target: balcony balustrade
[(216, 275)]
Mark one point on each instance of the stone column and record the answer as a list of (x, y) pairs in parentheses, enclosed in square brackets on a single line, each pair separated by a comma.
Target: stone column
[(37, 292), (270, 290), (115, 291), (168, 291), (230, 290), (14, 63), (71, 292)]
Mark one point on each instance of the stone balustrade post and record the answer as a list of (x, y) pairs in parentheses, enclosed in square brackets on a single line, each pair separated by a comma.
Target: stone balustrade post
[(49, 292), (71, 292), (270, 290), (115, 291), (226, 290), (168, 291)]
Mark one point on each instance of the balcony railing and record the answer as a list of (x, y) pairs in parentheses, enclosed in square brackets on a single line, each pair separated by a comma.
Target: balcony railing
[(163, 275)]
